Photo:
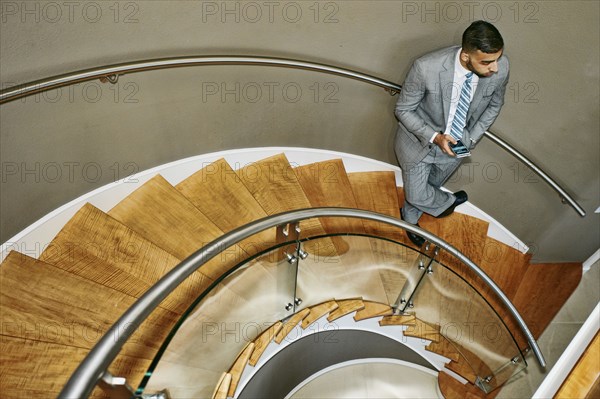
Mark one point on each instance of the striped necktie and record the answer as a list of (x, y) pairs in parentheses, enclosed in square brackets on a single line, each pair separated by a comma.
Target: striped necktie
[(460, 116)]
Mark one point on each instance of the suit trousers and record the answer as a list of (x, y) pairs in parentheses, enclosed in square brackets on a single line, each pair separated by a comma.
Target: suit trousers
[(422, 182)]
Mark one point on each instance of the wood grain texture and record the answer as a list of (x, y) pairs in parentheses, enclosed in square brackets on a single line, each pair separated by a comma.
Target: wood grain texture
[(238, 367), (345, 306), (51, 305), (398, 320), (376, 191), (222, 387), (583, 380), (290, 324), (420, 329), (444, 348), (466, 233), (318, 311), (453, 389), (463, 369), (543, 291), (505, 265), (274, 185), (161, 214), (262, 341), (326, 184), (97, 247), (219, 193), (35, 369), (373, 309)]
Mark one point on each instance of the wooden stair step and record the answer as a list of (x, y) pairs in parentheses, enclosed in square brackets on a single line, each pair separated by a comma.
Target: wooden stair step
[(469, 365), (36, 369), (238, 367), (444, 348), (463, 369), (453, 389), (326, 184), (345, 306), (544, 290), (398, 320), (318, 311), (507, 266), (468, 234), (97, 247), (584, 380), (160, 213), (263, 340), (376, 192), (62, 308), (51, 318), (373, 309), (420, 329), (290, 324), (274, 185), (218, 192), (222, 387)]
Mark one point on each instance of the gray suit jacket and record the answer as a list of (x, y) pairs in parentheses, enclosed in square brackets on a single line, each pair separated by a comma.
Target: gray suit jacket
[(424, 104)]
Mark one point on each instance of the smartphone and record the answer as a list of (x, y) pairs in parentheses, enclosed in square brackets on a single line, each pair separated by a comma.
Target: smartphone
[(460, 149)]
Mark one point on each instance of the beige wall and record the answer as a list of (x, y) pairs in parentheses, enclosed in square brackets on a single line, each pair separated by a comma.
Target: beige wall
[(57, 146)]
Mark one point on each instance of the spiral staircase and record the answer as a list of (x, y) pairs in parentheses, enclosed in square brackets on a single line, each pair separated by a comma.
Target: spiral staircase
[(56, 307)]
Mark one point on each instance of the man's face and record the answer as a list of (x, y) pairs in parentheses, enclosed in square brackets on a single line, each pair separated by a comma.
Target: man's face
[(480, 63)]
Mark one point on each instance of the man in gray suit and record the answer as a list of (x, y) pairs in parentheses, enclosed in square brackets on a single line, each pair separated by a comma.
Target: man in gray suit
[(451, 94)]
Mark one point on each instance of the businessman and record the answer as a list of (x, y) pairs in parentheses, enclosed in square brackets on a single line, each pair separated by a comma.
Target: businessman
[(449, 96)]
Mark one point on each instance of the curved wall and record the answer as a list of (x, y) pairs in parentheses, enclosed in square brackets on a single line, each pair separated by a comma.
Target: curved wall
[(57, 146)]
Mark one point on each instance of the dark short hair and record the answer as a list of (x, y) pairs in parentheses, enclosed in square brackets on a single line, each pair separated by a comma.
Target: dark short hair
[(482, 35)]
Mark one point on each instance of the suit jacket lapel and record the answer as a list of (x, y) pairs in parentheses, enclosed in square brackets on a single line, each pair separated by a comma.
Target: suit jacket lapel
[(446, 80)]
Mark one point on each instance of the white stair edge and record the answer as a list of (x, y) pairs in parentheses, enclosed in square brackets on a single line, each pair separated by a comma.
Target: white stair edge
[(34, 239), (347, 323)]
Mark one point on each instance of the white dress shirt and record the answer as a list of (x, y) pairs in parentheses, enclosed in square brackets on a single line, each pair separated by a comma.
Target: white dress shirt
[(460, 75)]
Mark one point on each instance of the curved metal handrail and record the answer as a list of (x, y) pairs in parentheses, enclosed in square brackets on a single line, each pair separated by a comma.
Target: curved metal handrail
[(564, 196), (91, 369), (111, 74)]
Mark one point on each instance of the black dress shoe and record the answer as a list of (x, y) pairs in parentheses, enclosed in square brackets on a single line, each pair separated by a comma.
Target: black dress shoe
[(461, 197), (414, 238)]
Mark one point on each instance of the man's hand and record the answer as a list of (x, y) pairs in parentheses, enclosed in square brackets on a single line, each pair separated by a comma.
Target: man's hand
[(443, 141)]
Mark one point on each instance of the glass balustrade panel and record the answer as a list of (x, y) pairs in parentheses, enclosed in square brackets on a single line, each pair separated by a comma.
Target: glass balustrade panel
[(450, 305), (360, 266), (216, 330)]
